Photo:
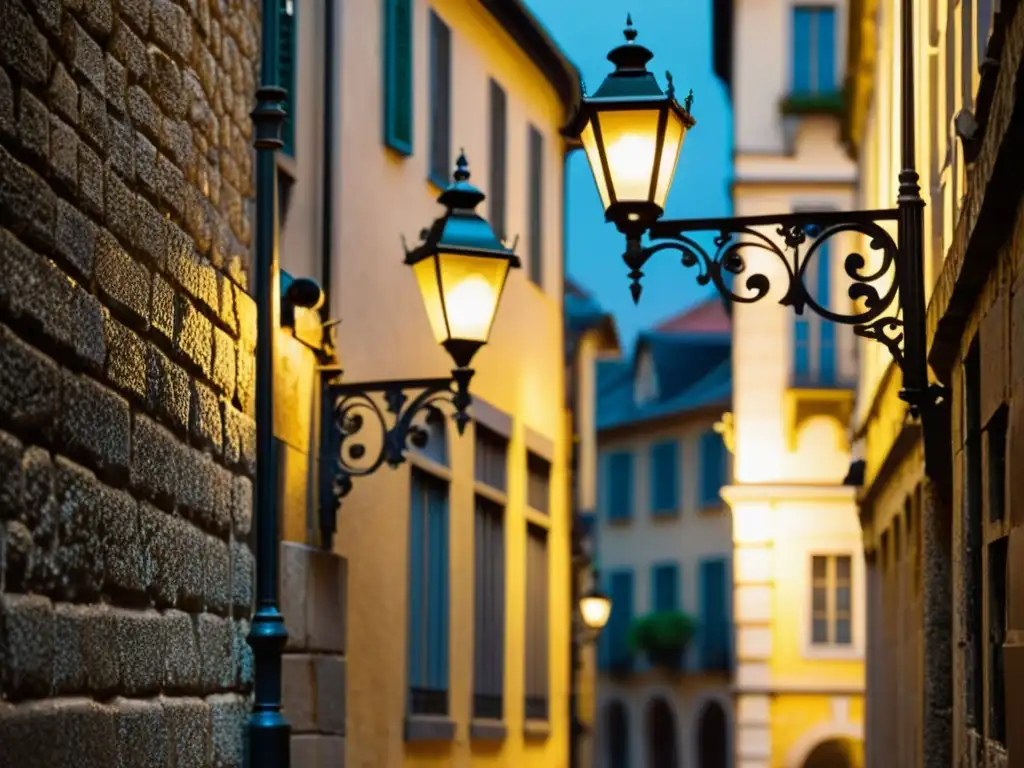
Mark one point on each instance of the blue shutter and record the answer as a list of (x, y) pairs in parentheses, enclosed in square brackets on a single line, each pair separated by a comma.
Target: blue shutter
[(712, 468), (287, 65), (614, 647), (664, 483), (440, 101), (536, 206), (715, 623), (620, 486), (416, 583), (398, 88), (437, 586), (801, 350), (827, 330), (665, 586), (802, 50), (825, 49)]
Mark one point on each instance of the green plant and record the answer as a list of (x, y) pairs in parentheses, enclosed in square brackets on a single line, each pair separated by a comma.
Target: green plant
[(661, 632)]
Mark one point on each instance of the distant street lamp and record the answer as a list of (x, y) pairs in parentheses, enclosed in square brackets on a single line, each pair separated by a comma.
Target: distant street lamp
[(632, 133), (595, 608)]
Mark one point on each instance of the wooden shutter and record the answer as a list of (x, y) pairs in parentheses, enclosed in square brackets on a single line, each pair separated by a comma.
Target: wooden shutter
[(826, 330), (712, 468), (417, 583), (538, 491), (614, 649), (802, 82), (398, 83), (825, 49), (537, 585), (437, 586), (287, 66), (715, 614), (440, 100), (665, 586), (620, 486), (499, 147), (536, 210), (664, 477), (489, 612)]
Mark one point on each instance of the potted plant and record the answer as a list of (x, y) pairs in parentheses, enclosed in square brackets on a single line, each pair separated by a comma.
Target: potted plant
[(663, 636)]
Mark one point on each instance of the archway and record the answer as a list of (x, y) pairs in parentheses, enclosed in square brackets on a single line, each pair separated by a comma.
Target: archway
[(617, 728), (661, 735), (836, 753), (712, 737)]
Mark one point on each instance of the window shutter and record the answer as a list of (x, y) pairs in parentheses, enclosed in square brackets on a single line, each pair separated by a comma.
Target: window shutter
[(620, 486), (826, 330), (712, 468), (715, 614), (665, 581), (664, 481), (826, 49), (398, 87), (536, 206), (802, 50), (801, 349), (417, 583), (287, 66), (437, 581), (440, 100), (499, 146), (614, 647)]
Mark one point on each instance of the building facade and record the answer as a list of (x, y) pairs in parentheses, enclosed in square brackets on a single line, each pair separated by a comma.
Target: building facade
[(458, 562), (127, 332), (664, 547), (799, 567), (940, 534)]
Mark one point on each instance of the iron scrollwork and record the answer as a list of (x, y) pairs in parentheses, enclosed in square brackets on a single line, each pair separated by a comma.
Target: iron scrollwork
[(799, 239), (395, 413)]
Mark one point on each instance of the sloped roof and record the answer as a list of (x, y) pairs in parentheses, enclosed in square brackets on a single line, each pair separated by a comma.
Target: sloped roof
[(710, 316), (693, 371), (582, 314)]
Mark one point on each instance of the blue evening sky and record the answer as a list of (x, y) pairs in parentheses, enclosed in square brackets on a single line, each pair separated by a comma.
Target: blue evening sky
[(679, 34)]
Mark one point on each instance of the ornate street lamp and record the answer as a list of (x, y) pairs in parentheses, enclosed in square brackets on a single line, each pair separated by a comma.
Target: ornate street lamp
[(460, 268), (632, 133), (595, 608)]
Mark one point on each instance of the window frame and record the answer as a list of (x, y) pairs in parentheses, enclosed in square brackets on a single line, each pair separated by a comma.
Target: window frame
[(439, 158), (815, 12), (831, 586), (537, 704), (397, 74)]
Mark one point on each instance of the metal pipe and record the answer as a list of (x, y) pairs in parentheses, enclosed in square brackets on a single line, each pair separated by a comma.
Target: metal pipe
[(269, 732), (329, 123)]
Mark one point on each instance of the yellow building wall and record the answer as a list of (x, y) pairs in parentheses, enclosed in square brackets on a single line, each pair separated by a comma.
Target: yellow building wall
[(384, 334)]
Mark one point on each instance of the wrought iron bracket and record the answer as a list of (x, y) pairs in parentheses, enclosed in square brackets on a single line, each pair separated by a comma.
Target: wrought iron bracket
[(393, 412)]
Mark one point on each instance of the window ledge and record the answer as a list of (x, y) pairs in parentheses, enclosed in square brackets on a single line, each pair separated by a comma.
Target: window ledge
[(832, 653), (536, 730), (481, 729), (419, 728), (812, 103)]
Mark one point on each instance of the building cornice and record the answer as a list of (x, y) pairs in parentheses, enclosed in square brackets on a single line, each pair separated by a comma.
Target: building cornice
[(773, 492), (861, 49)]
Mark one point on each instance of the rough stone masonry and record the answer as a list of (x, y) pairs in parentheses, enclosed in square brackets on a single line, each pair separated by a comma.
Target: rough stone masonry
[(126, 381)]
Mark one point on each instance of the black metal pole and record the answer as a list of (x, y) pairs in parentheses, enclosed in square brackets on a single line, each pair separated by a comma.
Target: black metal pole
[(269, 732), (910, 236)]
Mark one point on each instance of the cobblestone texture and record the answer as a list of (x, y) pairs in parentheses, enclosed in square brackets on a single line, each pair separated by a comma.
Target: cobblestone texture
[(126, 438)]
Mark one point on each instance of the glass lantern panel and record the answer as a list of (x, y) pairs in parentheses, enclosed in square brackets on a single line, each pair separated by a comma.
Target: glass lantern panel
[(630, 137), (674, 135), (595, 610), (594, 158), (472, 286), (429, 281)]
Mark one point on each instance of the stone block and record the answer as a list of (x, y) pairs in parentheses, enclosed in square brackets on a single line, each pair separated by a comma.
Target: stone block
[(144, 113), (26, 275), (136, 13), (95, 424), (122, 555), (75, 237), (172, 29), (130, 51), (993, 355), (69, 670), (26, 645), (88, 324), (216, 556), (192, 272), (206, 422), (326, 612), (79, 559), (172, 551), (98, 18), (127, 361), (204, 489), (60, 732), (90, 180), (161, 308), (94, 121), (85, 55), (123, 281), (295, 575), (241, 505), (117, 86), (29, 202), (245, 383), (228, 717), (224, 359), (183, 659), (216, 646), (141, 648), (243, 654), (156, 461), (7, 123), (64, 154), (150, 233), (188, 728), (142, 735), (243, 573), (239, 440), (29, 385), (194, 337), (298, 693), (23, 46), (63, 94), (168, 390), (12, 477), (170, 181), (247, 318), (144, 156), (166, 84), (330, 694), (34, 127)]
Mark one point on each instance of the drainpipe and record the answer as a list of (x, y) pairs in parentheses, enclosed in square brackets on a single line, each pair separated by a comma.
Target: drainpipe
[(329, 143)]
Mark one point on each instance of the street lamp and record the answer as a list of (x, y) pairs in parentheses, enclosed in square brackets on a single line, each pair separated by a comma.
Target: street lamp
[(461, 268), (595, 608), (632, 133)]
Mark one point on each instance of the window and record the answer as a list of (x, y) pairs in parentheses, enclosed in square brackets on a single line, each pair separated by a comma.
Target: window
[(664, 478), (491, 464), (967, 52), (613, 644), (801, 349), (665, 587), (287, 65), (499, 146), (715, 614), (398, 88), (832, 600), (996, 585), (537, 687), (436, 447), (814, 49), (646, 384), (489, 612), (618, 481), (712, 469), (440, 100), (973, 521), (538, 491), (814, 340), (428, 596), (535, 208)]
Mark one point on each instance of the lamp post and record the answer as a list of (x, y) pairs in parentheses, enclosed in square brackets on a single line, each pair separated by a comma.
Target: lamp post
[(593, 609), (632, 132)]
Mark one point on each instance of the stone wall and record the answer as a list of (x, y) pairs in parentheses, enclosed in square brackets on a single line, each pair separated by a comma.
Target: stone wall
[(126, 381)]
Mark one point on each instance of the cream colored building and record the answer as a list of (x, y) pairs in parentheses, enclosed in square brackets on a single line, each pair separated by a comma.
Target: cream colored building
[(464, 661), (663, 544), (798, 561)]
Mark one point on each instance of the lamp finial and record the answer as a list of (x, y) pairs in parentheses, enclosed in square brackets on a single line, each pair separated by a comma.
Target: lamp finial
[(462, 166), (629, 31)]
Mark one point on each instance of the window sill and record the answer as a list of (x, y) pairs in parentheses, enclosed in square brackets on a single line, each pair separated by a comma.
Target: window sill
[(812, 103), (481, 729), (832, 653), (536, 730), (429, 728)]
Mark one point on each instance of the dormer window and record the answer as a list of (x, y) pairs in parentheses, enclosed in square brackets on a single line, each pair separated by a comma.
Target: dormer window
[(645, 386)]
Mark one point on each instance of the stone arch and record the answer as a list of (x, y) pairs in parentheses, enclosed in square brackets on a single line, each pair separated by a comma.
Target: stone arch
[(841, 752), (711, 735), (616, 728), (804, 747), (662, 734)]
